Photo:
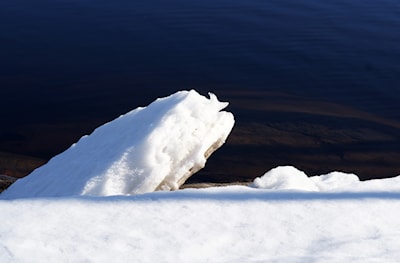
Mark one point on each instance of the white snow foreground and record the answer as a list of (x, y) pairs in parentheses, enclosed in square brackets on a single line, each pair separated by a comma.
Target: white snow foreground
[(226, 224), (153, 148), (275, 223)]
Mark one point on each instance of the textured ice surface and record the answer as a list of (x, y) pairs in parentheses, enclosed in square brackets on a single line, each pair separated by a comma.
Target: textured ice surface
[(152, 148)]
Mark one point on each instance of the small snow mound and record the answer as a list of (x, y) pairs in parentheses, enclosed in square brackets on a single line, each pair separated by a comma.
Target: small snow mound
[(336, 181), (150, 148), (285, 178)]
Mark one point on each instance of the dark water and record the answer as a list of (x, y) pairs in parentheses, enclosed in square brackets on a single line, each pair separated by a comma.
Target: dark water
[(81, 60)]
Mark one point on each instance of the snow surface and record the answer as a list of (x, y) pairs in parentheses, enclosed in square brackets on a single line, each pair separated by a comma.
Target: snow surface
[(226, 224), (153, 148), (283, 216)]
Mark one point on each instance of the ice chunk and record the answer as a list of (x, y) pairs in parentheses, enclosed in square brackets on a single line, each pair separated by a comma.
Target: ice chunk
[(153, 148)]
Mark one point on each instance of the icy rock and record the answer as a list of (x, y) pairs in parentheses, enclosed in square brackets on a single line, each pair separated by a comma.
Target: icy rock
[(6, 181), (157, 147)]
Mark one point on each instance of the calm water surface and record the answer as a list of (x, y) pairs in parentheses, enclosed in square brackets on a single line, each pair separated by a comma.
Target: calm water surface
[(57, 52), (82, 59)]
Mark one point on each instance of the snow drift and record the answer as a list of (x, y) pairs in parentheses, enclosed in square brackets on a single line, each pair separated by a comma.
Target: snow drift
[(286, 178), (153, 148), (283, 178)]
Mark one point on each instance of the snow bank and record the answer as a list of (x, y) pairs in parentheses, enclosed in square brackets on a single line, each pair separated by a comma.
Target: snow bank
[(290, 178), (228, 224), (153, 148), (313, 222)]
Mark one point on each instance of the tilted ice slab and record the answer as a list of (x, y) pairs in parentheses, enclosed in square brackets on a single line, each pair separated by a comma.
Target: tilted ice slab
[(153, 148)]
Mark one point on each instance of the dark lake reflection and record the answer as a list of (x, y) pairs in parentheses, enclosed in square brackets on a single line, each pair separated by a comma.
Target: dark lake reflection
[(312, 83)]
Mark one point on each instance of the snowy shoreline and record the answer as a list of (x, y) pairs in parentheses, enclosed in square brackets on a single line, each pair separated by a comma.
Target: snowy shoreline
[(282, 216), (236, 171), (271, 130)]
